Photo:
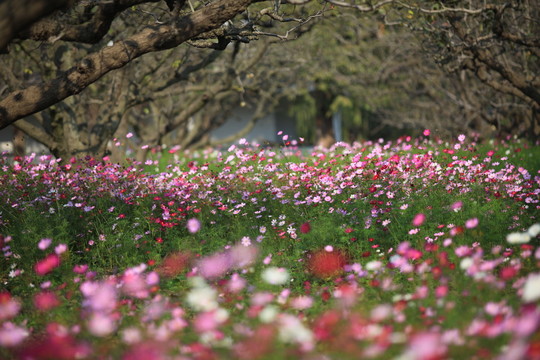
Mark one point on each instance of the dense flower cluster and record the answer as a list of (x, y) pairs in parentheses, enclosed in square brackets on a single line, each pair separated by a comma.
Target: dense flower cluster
[(406, 249)]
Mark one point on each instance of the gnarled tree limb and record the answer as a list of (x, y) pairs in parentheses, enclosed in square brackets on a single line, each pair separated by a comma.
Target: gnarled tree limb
[(32, 99), (16, 15)]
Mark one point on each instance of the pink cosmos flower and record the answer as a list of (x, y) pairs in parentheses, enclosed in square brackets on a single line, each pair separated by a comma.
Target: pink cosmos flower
[(134, 284), (215, 265), (262, 298), (302, 302), (457, 206), (427, 345), (471, 223), (152, 278), (246, 241), (236, 283), (463, 250), (60, 249), (100, 297), (419, 219), (441, 291), (80, 269), (47, 265), (9, 307), (242, 256), (12, 335), (44, 243), (206, 321), (427, 132), (101, 324), (193, 225)]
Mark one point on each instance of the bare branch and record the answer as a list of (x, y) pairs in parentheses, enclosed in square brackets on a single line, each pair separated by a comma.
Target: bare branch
[(87, 30), (318, 14), (441, 10), (34, 98), (36, 133), (270, 13)]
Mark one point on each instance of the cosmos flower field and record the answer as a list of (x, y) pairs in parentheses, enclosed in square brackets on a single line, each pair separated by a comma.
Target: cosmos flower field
[(407, 249)]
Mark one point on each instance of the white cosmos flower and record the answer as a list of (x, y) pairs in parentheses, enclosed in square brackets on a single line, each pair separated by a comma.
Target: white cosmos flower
[(518, 238), (534, 230), (292, 330), (373, 265), (202, 297), (268, 314), (531, 290), (275, 276), (466, 263)]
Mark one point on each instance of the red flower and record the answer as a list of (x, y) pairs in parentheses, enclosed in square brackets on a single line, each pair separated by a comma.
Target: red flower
[(174, 264), (324, 264), (508, 273), (47, 265), (325, 326), (305, 228), (45, 301)]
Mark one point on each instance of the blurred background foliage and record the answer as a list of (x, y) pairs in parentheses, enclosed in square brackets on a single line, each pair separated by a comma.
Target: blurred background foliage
[(382, 70)]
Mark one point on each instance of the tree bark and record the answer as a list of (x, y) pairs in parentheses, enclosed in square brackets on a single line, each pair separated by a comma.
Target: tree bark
[(32, 99), (16, 15), (324, 131)]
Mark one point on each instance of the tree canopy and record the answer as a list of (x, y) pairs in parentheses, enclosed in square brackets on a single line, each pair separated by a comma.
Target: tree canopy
[(79, 72)]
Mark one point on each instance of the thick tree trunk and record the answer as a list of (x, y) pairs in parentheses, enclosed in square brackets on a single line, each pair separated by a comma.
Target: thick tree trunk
[(324, 131), (19, 142)]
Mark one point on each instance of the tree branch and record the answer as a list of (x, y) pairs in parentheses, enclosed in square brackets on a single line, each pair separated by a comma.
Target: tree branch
[(87, 30), (258, 114), (36, 133), (91, 68), (16, 15)]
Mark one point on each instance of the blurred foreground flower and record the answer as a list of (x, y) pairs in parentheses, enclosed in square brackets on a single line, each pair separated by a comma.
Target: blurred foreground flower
[(193, 225), (275, 276), (217, 265), (523, 237), (419, 219), (202, 297), (9, 307), (47, 265), (531, 289), (45, 301), (12, 335), (325, 264), (101, 324), (174, 264)]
